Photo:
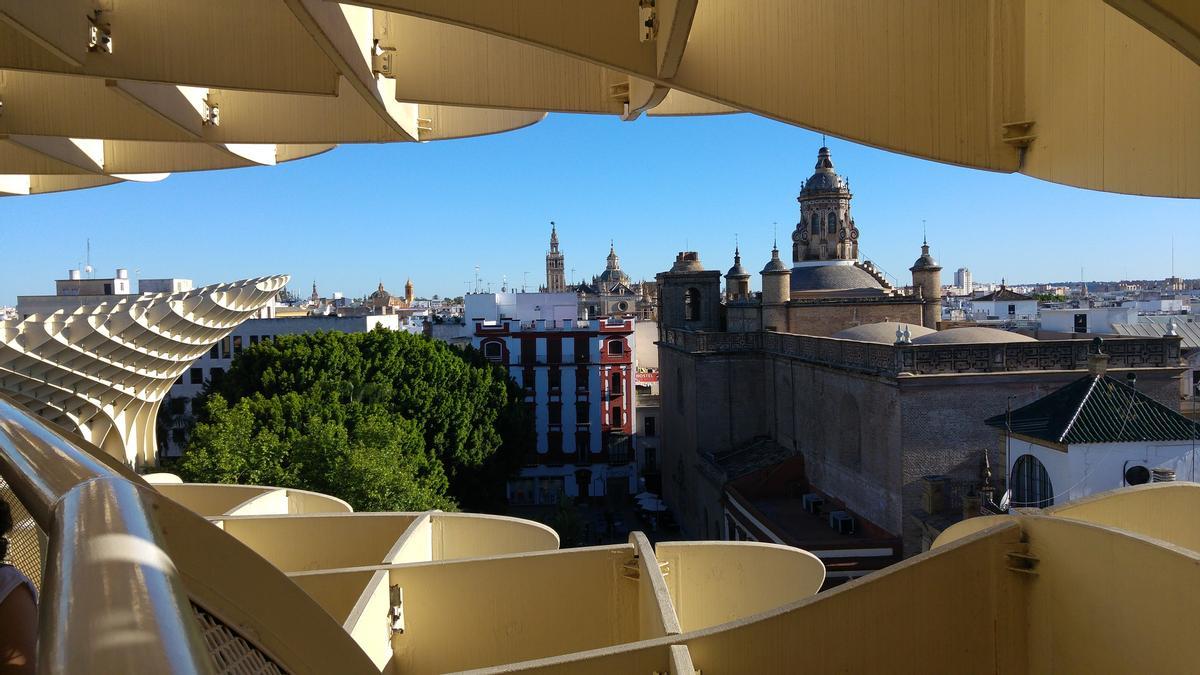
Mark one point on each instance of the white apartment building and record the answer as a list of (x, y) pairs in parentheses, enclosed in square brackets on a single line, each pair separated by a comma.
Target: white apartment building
[(962, 280), (578, 378), (77, 291)]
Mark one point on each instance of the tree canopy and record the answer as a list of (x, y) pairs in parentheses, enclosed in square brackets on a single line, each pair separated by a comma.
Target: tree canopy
[(385, 420)]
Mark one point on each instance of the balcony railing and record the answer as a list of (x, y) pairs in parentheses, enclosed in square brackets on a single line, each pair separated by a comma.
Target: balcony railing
[(132, 582)]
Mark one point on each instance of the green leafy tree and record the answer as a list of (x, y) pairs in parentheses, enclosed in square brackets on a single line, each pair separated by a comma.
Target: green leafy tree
[(384, 420)]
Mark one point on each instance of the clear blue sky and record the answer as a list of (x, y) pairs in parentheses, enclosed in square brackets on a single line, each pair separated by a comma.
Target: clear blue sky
[(361, 214)]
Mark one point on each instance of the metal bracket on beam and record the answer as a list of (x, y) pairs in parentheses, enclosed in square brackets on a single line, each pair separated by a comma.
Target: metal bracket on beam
[(212, 113), (99, 33), (630, 569), (1022, 563), (1017, 134), (381, 60), (396, 609), (647, 20)]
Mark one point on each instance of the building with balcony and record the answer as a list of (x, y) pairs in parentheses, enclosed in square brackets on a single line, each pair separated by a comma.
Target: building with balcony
[(578, 378)]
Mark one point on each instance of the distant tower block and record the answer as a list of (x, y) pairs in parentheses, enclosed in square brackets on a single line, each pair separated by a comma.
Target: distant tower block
[(927, 279), (556, 277), (103, 369), (962, 279)]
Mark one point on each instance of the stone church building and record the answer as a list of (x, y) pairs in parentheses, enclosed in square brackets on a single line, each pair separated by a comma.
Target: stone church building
[(833, 365), (610, 293)]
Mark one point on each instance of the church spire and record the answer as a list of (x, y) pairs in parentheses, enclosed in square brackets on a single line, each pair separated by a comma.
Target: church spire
[(556, 280)]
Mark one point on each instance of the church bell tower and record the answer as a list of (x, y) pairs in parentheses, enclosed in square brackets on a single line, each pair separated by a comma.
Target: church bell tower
[(826, 230), (556, 279)]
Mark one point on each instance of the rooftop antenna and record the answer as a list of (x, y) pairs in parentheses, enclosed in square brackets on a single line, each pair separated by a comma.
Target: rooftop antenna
[(87, 269), (924, 237), (823, 141), (524, 280), (477, 278), (1172, 255)]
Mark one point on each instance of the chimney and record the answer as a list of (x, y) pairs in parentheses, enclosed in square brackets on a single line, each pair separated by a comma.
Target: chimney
[(1097, 359), (972, 505)]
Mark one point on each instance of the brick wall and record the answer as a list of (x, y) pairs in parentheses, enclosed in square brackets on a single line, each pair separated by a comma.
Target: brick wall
[(828, 319)]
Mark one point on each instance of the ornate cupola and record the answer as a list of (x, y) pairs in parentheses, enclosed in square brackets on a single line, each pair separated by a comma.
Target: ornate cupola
[(737, 279), (826, 229), (612, 273), (927, 280)]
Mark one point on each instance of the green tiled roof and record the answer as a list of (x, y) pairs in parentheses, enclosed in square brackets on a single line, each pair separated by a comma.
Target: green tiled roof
[(1097, 409)]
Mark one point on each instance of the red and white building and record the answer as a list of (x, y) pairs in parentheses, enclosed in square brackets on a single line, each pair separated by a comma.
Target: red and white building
[(579, 379)]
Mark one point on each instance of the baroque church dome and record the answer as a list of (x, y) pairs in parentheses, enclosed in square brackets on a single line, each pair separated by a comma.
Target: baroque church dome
[(612, 273), (971, 335), (824, 178), (883, 332), (833, 278)]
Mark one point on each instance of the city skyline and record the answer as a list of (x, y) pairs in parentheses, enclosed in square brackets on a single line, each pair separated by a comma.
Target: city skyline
[(320, 219)]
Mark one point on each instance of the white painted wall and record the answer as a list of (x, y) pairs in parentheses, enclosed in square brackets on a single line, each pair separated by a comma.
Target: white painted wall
[(1086, 469), (1023, 309), (1099, 319), (522, 306)]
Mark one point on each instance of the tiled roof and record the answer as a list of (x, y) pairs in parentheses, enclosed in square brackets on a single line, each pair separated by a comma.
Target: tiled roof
[(1002, 294), (832, 277), (1188, 330), (1097, 409)]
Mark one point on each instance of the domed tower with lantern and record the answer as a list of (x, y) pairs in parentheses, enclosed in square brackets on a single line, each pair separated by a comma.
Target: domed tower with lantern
[(826, 230)]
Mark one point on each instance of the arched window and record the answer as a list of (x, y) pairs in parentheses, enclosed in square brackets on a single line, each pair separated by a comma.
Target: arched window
[(1031, 483), (616, 390), (491, 351), (616, 347), (816, 224), (691, 305), (832, 227)]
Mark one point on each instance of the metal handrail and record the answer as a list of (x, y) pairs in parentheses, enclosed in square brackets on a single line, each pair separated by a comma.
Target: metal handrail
[(112, 600)]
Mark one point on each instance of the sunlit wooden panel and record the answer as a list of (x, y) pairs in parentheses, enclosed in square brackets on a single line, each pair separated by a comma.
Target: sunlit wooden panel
[(446, 122), (1114, 107), (216, 43)]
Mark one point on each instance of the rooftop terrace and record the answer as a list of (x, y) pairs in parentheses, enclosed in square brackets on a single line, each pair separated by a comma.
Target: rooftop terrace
[(161, 576)]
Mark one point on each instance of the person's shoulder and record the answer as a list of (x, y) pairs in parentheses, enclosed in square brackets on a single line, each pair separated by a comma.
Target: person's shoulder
[(10, 578)]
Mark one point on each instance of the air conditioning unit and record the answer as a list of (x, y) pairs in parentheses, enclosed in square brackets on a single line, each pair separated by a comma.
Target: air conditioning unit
[(1162, 475), (812, 502), (842, 521), (1136, 474)]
